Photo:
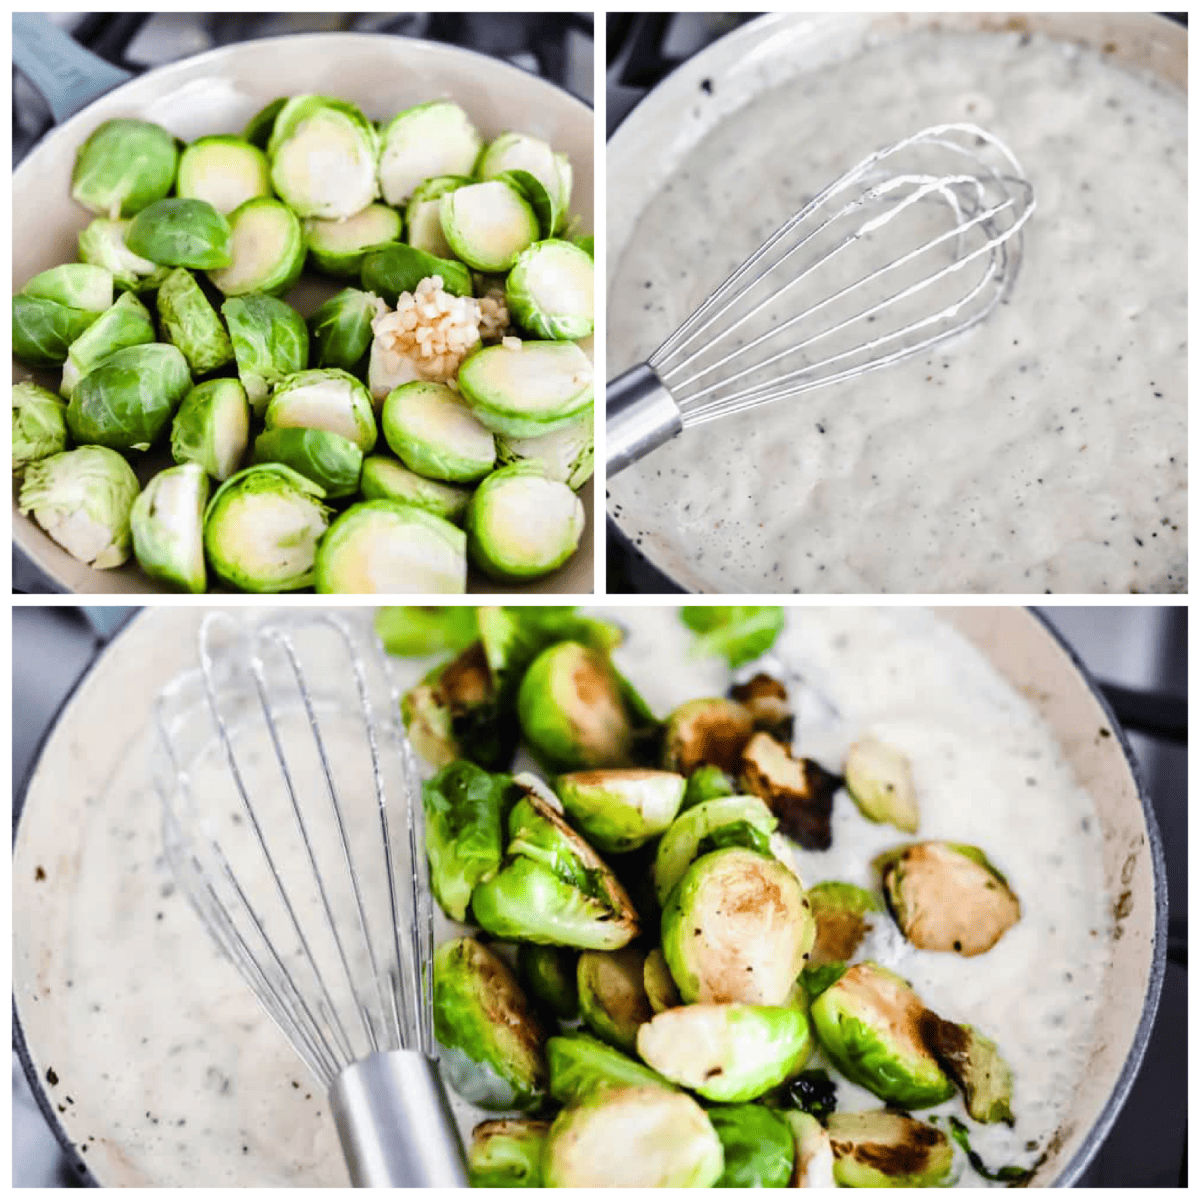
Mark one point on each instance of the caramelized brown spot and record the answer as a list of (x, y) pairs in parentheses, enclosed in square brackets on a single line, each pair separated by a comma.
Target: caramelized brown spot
[(466, 681), (909, 1157)]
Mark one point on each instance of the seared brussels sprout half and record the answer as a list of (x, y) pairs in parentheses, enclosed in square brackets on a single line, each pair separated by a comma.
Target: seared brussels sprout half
[(428, 140), (706, 732), (270, 343), (491, 1043), (341, 330), (879, 780), (522, 152), (127, 323), (39, 425), (549, 291), (338, 248), (224, 170), (759, 1148), (975, 1064), (661, 991), (124, 166), (181, 233), (212, 427), (507, 1153), (384, 478), (487, 225), (619, 809), (327, 398), (82, 498), (639, 1137), (799, 791), (548, 973), (581, 1065), (266, 247), (328, 459), (948, 897), (567, 455), (102, 244), (612, 995), (843, 915), (738, 633), (167, 521), (707, 783), (432, 430), (869, 1025), (416, 630), (765, 698), (423, 214), (388, 271), (878, 1148), (755, 926), (814, 1154), (191, 323)]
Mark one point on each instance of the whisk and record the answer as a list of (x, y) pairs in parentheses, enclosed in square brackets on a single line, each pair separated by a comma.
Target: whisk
[(916, 244), (292, 821)]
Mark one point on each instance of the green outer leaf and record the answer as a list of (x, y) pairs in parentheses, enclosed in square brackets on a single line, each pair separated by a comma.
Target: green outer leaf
[(328, 459), (203, 423), (739, 633), (409, 631), (258, 128), (707, 783), (43, 331), (399, 268), (270, 342), (192, 324), (76, 285), (340, 330), (123, 166), (619, 811), (39, 425), (127, 323), (759, 1148), (167, 522), (102, 244), (181, 233), (510, 1157), (548, 973), (582, 1065), (567, 455), (544, 205)]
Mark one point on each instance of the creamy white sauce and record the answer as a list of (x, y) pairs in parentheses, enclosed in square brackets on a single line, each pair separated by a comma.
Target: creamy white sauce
[(1044, 450)]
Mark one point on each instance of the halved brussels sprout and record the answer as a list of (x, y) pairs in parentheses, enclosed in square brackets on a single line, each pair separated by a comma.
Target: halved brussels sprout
[(43, 331), (711, 732), (759, 1148), (633, 1137), (325, 398), (549, 291), (102, 244), (127, 323), (619, 809), (581, 1065), (413, 631), (181, 233), (82, 498), (549, 976), (326, 458), (544, 203), (975, 1064), (946, 896), (524, 152), (423, 215), (799, 791), (338, 248), (191, 323), (224, 170), (212, 427), (766, 700), (270, 342), (341, 330), (386, 479), (491, 1042), (880, 782), (612, 995), (727, 1052), (507, 1154), (167, 522), (266, 250), (566, 455), (842, 912), (124, 166), (433, 431), (323, 154), (878, 1148), (128, 399), (656, 979), (39, 425), (869, 1025), (75, 285), (488, 224), (514, 636), (738, 633), (428, 140), (391, 270), (755, 926), (707, 783), (814, 1154), (262, 528)]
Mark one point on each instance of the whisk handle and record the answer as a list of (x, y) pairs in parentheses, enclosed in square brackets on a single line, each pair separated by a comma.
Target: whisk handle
[(640, 415), (395, 1123)]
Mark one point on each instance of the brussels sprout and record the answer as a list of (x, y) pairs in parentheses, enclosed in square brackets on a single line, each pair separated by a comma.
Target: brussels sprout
[(323, 154), (432, 430), (74, 285), (544, 203), (880, 782), (262, 528), (759, 1148), (948, 897), (341, 329), (191, 323), (491, 1043), (566, 180), (270, 342), (266, 250), (391, 270), (258, 128), (549, 291), (423, 215), (181, 233), (102, 244), (586, 243), (707, 783), (521, 525), (612, 996), (224, 170), (766, 700), (124, 166), (661, 991), (167, 521), (487, 225), (327, 398), (814, 1154), (887, 1149), (727, 1052), (212, 427), (581, 1065), (432, 139), (869, 1025), (842, 912), (619, 810), (975, 1064), (328, 459), (566, 455), (465, 809), (755, 929), (128, 399), (706, 732), (43, 331), (523, 152), (514, 636), (414, 631), (39, 425), (549, 976), (127, 323), (338, 247), (386, 479), (633, 1137), (82, 498), (739, 633), (507, 1154), (799, 791)]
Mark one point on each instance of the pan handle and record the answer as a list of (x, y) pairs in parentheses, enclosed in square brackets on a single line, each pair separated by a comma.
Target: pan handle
[(68, 76)]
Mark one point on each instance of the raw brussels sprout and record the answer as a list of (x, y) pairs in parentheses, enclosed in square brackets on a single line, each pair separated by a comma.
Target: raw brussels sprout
[(507, 1154), (82, 498), (612, 995), (167, 521), (386, 479), (620, 809), (586, 243), (878, 1148), (266, 250), (390, 270), (755, 929), (549, 976), (39, 425), (567, 454), (581, 1065), (338, 248), (488, 224), (521, 525), (842, 912), (258, 128), (380, 547), (948, 897), (880, 782), (543, 202), (656, 979), (328, 459), (102, 244), (525, 153), (759, 1148), (766, 700), (423, 215), (212, 427), (262, 528), (74, 285), (432, 430), (814, 1154), (323, 154), (181, 233), (224, 170), (799, 791), (491, 1043), (549, 291), (270, 342), (869, 1025), (414, 631), (128, 399), (341, 329), (191, 323), (432, 139), (124, 166), (327, 398), (43, 331), (640, 1137), (707, 783), (465, 811), (727, 1052), (739, 633), (711, 732), (127, 323), (975, 1064)]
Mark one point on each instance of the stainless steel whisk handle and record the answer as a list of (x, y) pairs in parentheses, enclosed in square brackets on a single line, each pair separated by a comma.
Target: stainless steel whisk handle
[(395, 1123), (640, 415)]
